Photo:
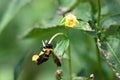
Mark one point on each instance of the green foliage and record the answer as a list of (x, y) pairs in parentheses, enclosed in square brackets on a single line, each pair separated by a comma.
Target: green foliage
[(83, 11), (25, 23), (110, 20), (19, 66), (113, 6), (61, 47), (39, 32), (14, 7)]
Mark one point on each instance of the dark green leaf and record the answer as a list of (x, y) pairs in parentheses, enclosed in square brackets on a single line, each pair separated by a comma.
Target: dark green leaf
[(41, 32), (91, 33), (92, 24), (86, 27), (113, 6), (111, 30), (110, 53), (110, 20), (114, 44), (19, 66), (117, 33), (108, 56)]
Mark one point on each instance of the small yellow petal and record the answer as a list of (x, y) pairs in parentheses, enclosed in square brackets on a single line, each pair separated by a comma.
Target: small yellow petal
[(70, 20), (35, 57)]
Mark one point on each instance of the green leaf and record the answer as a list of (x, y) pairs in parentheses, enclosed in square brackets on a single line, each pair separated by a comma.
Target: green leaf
[(114, 48), (91, 33), (110, 51), (41, 32), (51, 22), (111, 30), (83, 26), (110, 20), (110, 56), (64, 3), (14, 7), (45, 27), (117, 33), (113, 6), (61, 46), (83, 11), (87, 28), (19, 66), (111, 25)]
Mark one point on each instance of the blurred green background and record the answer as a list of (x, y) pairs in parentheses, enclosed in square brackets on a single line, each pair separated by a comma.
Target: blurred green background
[(19, 16)]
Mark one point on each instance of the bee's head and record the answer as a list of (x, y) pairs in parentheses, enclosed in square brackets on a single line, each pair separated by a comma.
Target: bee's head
[(47, 45)]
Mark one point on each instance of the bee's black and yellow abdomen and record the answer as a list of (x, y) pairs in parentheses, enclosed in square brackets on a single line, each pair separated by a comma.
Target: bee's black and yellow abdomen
[(44, 54), (42, 58)]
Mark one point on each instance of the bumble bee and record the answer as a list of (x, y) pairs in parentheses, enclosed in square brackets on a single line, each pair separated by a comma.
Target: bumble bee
[(43, 56)]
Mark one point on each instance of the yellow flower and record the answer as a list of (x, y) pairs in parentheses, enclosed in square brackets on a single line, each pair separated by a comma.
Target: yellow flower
[(70, 20), (35, 57)]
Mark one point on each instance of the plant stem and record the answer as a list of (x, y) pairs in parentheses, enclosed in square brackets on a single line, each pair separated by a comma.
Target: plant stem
[(57, 34), (70, 65), (69, 61), (99, 62), (99, 13), (98, 52)]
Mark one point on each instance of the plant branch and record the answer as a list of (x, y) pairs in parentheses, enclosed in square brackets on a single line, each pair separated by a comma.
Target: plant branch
[(98, 52), (99, 13), (70, 65), (99, 61), (69, 61), (54, 36)]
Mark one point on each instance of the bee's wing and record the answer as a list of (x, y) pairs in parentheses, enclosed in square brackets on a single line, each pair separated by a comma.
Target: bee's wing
[(56, 60)]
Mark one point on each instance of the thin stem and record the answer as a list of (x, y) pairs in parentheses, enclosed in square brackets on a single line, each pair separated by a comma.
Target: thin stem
[(113, 53), (99, 13), (98, 52), (58, 34), (70, 65), (99, 61), (69, 61)]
